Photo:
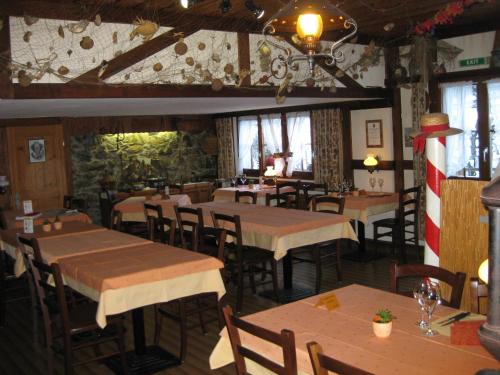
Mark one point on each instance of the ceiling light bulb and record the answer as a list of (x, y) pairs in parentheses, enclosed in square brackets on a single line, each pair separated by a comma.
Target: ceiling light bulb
[(309, 26), (185, 4)]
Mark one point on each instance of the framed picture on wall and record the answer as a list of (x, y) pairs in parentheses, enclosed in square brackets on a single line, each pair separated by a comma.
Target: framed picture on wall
[(374, 136), (36, 149)]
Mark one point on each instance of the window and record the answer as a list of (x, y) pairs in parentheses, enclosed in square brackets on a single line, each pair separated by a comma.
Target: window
[(494, 122), (259, 137)]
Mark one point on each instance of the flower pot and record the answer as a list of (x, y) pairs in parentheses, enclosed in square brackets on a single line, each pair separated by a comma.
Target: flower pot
[(58, 225), (46, 227), (382, 330)]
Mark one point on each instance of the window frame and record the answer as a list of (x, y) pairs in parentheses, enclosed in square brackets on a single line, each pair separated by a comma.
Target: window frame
[(303, 175)]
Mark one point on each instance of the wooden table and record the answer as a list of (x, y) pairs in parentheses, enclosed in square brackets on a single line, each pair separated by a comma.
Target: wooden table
[(132, 208), (63, 214), (279, 230), (346, 334), (130, 278), (228, 194)]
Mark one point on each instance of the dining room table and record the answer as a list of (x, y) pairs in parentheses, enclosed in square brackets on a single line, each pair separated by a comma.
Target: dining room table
[(132, 208), (14, 217), (346, 334), (279, 230), (228, 194)]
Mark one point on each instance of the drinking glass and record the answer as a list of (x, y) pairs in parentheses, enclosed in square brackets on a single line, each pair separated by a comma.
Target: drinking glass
[(243, 179), (418, 295), (233, 181), (432, 297), (380, 183), (372, 181)]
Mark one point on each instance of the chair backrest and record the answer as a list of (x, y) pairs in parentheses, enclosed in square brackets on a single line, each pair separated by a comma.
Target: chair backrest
[(156, 223), (282, 200), (176, 188), (67, 201), (409, 202), (335, 204), (33, 244), (231, 224), (212, 242), (285, 340), (79, 204), (115, 221), (295, 194), (191, 218), (308, 187), (478, 291), (455, 280), (322, 364), (245, 194)]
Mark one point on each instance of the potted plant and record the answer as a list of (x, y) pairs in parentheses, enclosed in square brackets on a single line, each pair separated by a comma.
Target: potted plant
[(57, 223), (382, 323), (46, 226)]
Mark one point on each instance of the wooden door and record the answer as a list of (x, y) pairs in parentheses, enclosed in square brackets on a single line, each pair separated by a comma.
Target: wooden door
[(38, 165)]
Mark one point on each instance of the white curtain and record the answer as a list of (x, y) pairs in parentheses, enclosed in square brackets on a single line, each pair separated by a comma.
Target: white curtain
[(271, 130), (299, 140), (459, 102), (248, 134), (494, 105)]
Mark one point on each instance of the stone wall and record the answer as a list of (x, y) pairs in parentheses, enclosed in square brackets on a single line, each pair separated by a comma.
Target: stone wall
[(131, 158)]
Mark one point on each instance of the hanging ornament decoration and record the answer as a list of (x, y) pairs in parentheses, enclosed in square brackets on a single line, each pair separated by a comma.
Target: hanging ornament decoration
[(146, 29), (190, 61), (264, 49), (217, 84), (87, 42), (69, 52), (201, 46), (197, 66), (78, 27), (244, 73), (228, 46), (24, 78), (63, 70), (29, 20), (263, 79), (126, 76), (216, 57), (60, 31), (180, 47), (310, 82), (115, 37), (207, 76), (190, 80), (118, 53), (97, 20), (229, 69), (389, 26), (157, 67), (27, 35)]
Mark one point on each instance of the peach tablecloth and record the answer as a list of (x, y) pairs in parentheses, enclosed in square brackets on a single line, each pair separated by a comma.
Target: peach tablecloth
[(346, 334), (132, 208), (280, 229), (124, 279), (360, 208), (228, 194), (64, 215)]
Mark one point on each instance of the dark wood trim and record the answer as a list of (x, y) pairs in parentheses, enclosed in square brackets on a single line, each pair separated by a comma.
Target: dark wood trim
[(132, 57), (434, 96), (76, 91), (469, 75), (347, 143), (397, 141), (408, 165), (483, 125), (349, 105), (261, 145), (244, 57), (5, 57), (383, 165), (285, 146)]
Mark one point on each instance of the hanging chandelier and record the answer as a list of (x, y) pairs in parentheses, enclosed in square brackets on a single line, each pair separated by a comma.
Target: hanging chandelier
[(307, 19)]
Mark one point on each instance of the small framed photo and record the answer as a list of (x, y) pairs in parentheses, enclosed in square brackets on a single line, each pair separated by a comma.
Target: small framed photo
[(36, 149), (374, 136)]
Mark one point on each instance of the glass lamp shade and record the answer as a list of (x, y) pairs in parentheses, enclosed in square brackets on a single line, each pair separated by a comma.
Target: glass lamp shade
[(309, 26), (370, 161), (482, 272)]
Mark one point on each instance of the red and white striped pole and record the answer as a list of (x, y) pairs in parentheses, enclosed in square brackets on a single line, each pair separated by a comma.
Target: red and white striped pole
[(436, 172)]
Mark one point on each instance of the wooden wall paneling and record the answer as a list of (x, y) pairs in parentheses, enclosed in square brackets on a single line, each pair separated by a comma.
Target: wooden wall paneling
[(5, 56), (464, 238), (4, 166)]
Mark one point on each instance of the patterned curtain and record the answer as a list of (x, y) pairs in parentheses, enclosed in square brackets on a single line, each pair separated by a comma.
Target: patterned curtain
[(225, 142), (327, 146), (419, 108)]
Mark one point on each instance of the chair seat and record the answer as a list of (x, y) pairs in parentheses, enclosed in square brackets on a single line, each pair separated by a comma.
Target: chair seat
[(252, 255)]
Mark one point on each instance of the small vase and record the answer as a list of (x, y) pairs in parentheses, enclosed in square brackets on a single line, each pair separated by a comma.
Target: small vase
[(46, 227), (382, 330), (58, 225)]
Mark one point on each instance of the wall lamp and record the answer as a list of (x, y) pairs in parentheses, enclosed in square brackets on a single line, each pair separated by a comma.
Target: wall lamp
[(371, 163), (257, 10)]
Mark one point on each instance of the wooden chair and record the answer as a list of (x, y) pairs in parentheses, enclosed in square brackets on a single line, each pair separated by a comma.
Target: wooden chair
[(79, 204), (478, 291), (245, 194), (78, 325), (455, 280), (281, 200), (335, 207), (285, 340), (409, 200), (322, 364), (115, 221), (176, 189), (243, 260), (191, 218), (181, 309), (160, 228), (106, 203), (295, 200), (310, 189), (67, 201)]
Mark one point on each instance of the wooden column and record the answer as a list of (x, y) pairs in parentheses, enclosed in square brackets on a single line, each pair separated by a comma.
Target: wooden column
[(483, 124), (5, 56), (244, 57)]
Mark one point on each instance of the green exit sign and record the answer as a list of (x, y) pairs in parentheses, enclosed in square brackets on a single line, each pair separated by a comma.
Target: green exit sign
[(474, 61)]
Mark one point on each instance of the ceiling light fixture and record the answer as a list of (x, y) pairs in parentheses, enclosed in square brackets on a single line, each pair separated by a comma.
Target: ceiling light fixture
[(225, 6), (308, 19), (257, 10), (188, 3)]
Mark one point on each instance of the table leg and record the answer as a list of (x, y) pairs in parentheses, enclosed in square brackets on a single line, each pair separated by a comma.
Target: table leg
[(143, 359), (361, 255)]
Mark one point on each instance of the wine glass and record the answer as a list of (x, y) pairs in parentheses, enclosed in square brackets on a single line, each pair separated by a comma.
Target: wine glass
[(380, 183), (349, 185), (432, 297), (243, 179), (233, 181), (418, 295), (372, 182)]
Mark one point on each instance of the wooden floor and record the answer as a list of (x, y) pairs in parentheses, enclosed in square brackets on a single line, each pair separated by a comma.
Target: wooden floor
[(19, 354)]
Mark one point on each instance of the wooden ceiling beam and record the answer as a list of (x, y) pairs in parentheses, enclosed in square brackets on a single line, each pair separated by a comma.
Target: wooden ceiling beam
[(93, 91), (131, 57)]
